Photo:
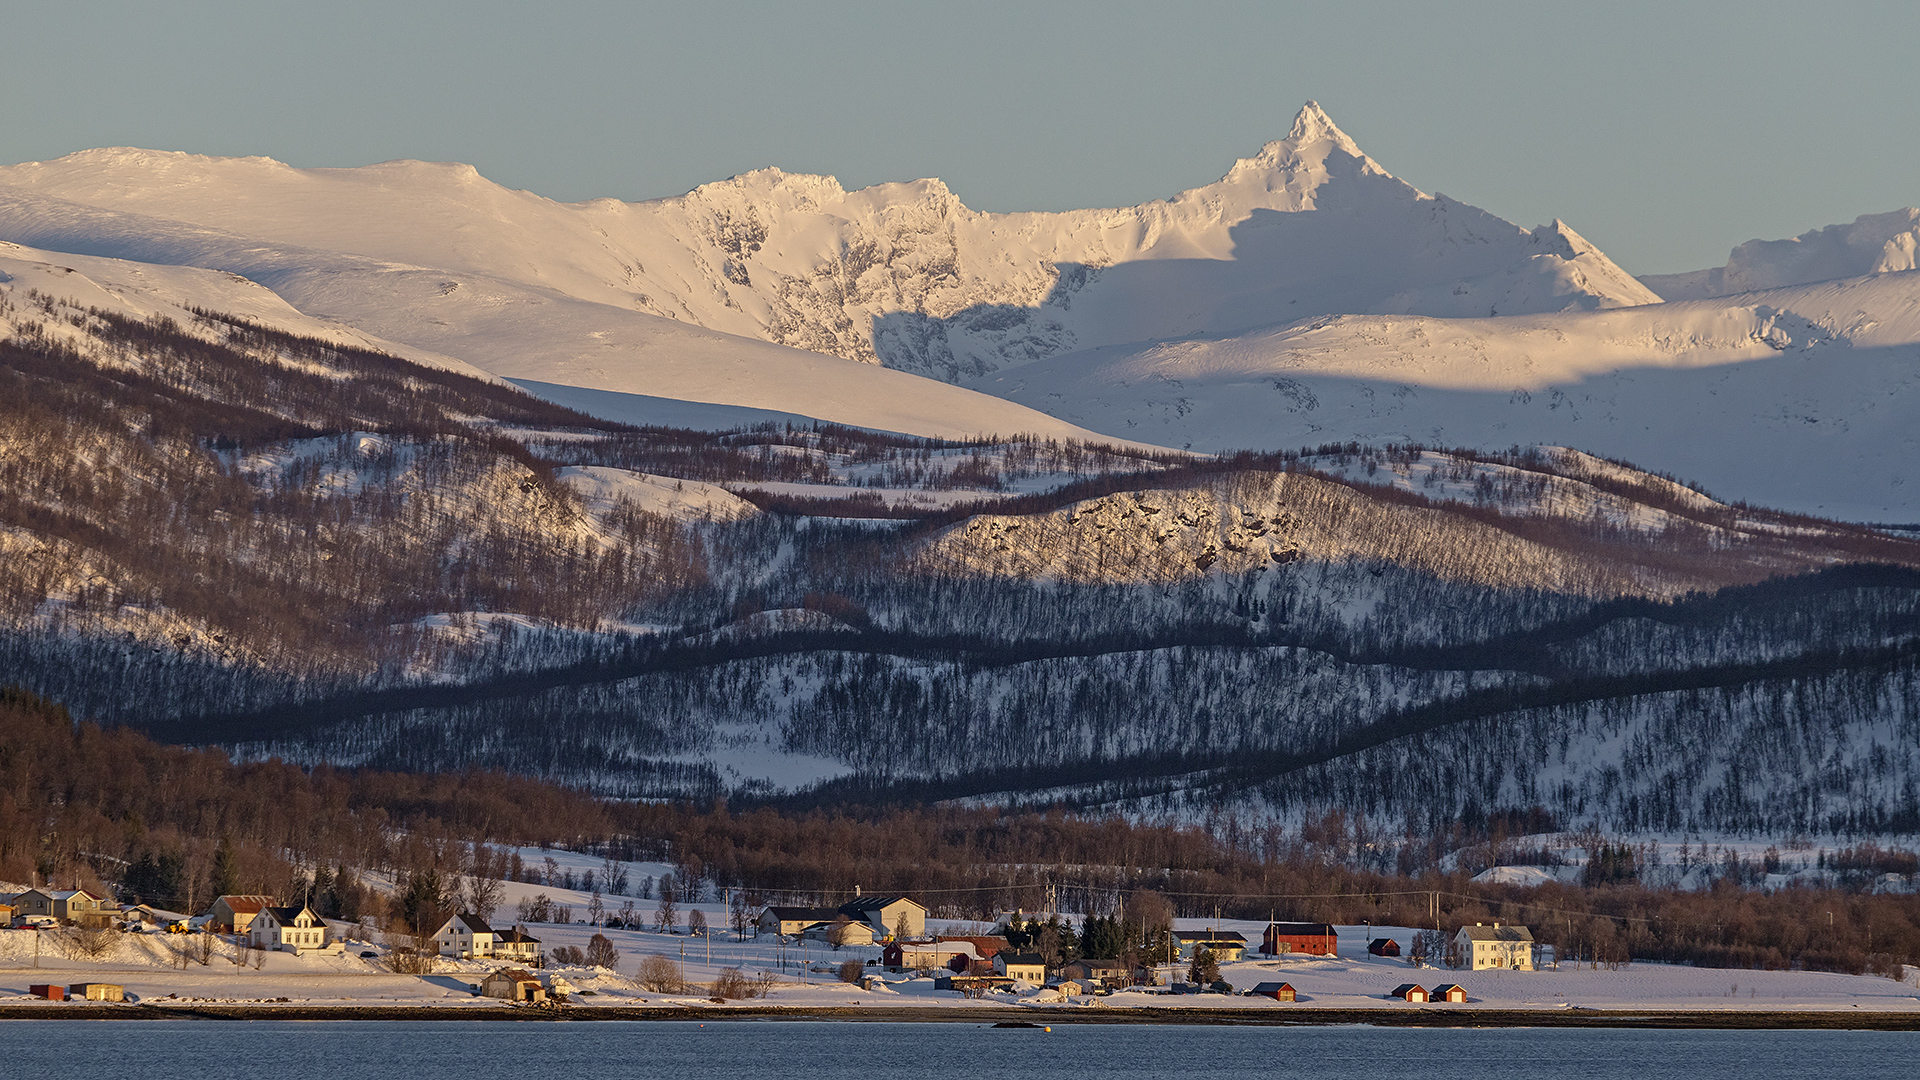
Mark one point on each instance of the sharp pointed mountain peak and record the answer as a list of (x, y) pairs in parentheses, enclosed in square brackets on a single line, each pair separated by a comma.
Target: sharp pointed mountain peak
[(1312, 124)]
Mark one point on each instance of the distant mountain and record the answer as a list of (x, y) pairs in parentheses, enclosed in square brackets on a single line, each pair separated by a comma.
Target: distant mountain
[(902, 274), (1801, 398), (1873, 244)]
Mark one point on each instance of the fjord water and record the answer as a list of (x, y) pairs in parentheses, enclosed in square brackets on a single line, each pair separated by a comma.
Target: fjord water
[(213, 1050)]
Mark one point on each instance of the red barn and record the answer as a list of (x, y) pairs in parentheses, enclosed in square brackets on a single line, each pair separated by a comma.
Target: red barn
[(1312, 938), (1383, 946), (48, 991), (1450, 992), (1277, 991), (1409, 992)]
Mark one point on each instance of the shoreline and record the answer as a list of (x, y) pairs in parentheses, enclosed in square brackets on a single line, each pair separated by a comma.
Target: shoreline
[(1308, 1017)]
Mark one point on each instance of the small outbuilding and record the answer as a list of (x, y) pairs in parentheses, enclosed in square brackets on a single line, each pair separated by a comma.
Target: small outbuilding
[(1383, 946), (97, 992), (50, 991), (1450, 992), (1278, 991), (1410, 992), (514, 984)]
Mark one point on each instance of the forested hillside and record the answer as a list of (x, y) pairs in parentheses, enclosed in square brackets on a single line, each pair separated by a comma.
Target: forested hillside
[(220, 533)]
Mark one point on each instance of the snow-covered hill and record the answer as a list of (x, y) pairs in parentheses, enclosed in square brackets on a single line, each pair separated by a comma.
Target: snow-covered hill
[(1873, 244), (1799, 398), (902, 273)]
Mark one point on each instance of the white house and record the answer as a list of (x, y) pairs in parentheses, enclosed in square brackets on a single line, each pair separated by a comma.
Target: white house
[(1480, 946), (465, 937), (288, 929)]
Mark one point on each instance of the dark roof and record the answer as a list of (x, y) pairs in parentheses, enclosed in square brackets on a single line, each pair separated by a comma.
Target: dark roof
[(1496, 932), (1406, 988), (1444, 987), (474, 924), (286, 915), (1028, 958), (1225, 937), (864, 904), (1269, 987), (1301, 929), (516, 936)]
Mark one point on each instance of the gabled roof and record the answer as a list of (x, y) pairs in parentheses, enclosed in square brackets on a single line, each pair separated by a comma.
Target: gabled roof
[(516, 936), (1301, 929), (1407, 988), (1446, 987), (1270, 987), (1223, 936), (1025, 959), (864, 904), (519, 975), (474, 923), (287, 916), (1495, 933), (248, 904)]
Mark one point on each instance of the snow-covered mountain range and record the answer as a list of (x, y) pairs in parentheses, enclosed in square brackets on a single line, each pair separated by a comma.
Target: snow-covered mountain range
[(1308, 296)]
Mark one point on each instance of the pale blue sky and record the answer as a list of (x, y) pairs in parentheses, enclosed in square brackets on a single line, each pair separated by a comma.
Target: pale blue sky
[(1666, 132)]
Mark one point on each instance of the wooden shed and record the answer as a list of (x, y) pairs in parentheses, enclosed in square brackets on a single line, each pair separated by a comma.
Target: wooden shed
[(1278, 991), (50, 991), (1383, 946), (514, 984), (97, 992), (1450, 992), (1410, 992)]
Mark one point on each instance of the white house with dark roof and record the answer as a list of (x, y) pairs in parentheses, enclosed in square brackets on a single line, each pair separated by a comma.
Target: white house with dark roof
[(1480, 946), (465, 936), (288, 929)]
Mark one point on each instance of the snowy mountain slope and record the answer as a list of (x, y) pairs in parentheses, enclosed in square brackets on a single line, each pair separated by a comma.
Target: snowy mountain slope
[(904, 273), (1872, 244), (1798, 398), (525, 332), (150, 290)]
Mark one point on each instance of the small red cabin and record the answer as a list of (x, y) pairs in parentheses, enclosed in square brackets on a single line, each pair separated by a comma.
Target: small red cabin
[(1450, 992), (48, 991), (1409, 992), (1312, 938), (1383, 946), (1276, 991)]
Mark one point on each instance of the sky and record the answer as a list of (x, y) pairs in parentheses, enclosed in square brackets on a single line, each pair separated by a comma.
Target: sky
[(1665, 132)]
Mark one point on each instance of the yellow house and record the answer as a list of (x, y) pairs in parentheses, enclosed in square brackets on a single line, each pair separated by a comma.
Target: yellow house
[(1478, 946)]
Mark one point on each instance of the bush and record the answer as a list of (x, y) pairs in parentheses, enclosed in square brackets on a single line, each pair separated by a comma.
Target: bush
[(732, 985), (852, 971), (569, 955), (661, 975)]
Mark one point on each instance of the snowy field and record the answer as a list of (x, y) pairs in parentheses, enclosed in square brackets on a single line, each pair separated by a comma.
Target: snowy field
[(806, 974)]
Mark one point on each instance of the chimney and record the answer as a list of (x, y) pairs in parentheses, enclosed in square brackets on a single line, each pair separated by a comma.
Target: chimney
[(1496, 926), (856, 892)]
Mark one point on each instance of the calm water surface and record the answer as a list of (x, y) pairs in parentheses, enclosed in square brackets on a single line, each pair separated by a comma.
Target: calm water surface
[(405, 1050)]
